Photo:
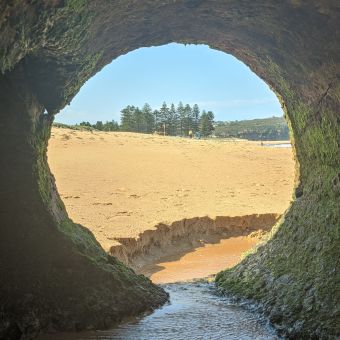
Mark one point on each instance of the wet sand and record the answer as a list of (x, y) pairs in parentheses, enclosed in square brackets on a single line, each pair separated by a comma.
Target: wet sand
[(200, 263), (120, 184)]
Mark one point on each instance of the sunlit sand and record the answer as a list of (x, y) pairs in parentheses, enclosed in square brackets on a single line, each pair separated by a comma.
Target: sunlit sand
[(119, 184)]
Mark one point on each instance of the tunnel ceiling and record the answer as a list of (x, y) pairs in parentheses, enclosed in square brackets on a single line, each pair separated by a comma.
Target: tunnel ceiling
[(63, 43), (55, 275)]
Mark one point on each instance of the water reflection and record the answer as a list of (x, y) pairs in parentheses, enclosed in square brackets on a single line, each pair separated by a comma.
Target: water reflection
[(194, 312)]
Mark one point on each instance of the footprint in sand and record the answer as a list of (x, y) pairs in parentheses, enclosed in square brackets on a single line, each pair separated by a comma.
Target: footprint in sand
[(134, 196), (123, 213), (65, 137), (101, 203)]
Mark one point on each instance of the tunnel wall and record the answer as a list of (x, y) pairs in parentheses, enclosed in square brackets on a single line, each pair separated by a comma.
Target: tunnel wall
[(54, 274), (50, 48)]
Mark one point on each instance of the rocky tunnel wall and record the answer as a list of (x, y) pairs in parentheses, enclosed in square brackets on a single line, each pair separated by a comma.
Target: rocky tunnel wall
[(48, 49)]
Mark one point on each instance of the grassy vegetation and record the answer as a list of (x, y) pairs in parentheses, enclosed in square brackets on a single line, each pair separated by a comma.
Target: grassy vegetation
[(274, 128), (74, 127)]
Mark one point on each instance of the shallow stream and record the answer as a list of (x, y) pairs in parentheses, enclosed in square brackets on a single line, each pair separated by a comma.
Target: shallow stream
[(195, 311)]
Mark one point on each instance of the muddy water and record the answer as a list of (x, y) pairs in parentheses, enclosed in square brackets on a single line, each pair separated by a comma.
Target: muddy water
[(195, 311), (202, 262)]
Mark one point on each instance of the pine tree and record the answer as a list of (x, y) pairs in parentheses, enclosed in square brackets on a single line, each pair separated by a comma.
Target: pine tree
[(195, 118), (164, 115), (173, 120), (85, 124), (127, 119), (187, 126), (111, 126), (206, 126), (157, 120), (138, 119), (181, 118), (98, 125), (149, 119)]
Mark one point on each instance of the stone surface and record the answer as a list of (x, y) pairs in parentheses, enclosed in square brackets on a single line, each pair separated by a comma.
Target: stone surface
[(53, 273)]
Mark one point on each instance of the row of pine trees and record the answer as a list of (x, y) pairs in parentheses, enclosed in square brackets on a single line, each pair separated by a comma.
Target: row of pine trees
[(171, 120)]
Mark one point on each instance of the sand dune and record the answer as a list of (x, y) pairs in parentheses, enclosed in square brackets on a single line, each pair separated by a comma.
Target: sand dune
[(120, 184)]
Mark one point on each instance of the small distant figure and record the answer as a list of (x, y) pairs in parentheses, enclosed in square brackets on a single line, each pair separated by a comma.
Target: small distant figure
[(261, 143), (198, 135), (190, 134)]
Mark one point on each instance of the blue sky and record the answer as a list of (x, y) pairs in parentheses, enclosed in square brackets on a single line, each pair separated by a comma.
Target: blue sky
[(192, 74)]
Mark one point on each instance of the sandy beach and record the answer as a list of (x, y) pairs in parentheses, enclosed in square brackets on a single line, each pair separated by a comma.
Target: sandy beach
[(120, 184)]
